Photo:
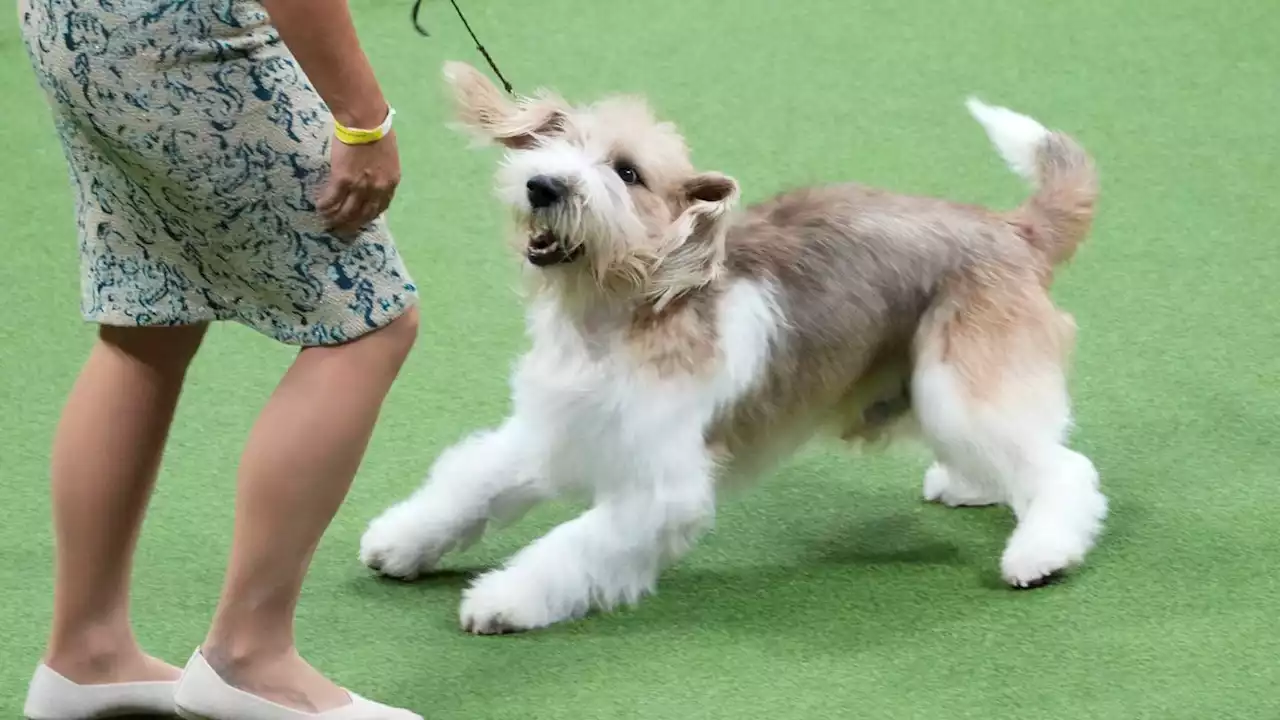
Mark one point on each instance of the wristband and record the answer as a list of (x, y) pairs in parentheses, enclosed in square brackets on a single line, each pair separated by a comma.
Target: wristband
[(356, 136)]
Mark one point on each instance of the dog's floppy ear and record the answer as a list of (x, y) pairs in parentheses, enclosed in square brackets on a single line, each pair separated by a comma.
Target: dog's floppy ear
[(694, 249), (484, 111), (714, 191)]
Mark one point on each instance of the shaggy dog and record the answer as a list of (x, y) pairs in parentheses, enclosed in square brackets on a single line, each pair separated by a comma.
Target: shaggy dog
[(680, 345)]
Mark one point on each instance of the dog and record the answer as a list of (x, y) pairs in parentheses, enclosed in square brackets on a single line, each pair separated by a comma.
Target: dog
[(681, 345)]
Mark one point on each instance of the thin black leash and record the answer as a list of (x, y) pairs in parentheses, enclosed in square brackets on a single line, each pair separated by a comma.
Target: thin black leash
[(417, 6)]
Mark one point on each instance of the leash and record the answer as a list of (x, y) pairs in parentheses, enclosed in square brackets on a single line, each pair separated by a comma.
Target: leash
[(417, 7)]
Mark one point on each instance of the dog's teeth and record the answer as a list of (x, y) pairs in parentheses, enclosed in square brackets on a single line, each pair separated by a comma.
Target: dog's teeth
[(543, 242)]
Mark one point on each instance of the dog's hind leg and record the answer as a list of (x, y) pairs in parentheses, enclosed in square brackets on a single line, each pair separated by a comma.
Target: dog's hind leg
[(492, 475), (609, 556), (990, 392)]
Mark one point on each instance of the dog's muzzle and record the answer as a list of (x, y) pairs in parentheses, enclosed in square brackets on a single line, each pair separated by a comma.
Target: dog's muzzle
[(545, 247), (546, 250)]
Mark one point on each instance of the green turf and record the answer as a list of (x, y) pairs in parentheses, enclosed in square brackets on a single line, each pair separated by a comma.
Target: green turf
[(831, 591)]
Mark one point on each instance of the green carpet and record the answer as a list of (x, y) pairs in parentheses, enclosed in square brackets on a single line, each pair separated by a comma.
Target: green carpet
[(832, 590)]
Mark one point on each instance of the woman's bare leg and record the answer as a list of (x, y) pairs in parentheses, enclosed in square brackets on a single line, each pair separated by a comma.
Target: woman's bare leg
[(106, 454), (297, 466)]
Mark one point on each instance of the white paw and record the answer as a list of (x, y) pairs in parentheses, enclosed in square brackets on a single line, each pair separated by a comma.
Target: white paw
[(1034, 555), (945, 486), (1045, 544), (403, 542), (507, 601), (393, 544)]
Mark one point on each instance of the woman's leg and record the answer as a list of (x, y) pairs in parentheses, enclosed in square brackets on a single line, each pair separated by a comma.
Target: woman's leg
[(106, 453), (297, 466)]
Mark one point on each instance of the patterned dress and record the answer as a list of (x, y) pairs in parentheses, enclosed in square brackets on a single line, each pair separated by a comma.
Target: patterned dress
[(197, 150)]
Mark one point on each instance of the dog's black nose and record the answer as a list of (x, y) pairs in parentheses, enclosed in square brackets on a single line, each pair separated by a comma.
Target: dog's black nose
[(545, 191)]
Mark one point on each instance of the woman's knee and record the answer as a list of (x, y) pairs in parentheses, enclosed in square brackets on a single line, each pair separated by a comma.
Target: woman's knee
[(394, 340), (385, 348), (404, 331)]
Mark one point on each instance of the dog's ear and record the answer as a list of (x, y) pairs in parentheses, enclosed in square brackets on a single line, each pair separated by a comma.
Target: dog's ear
[(717, 193), (694, 249), (484, 111)]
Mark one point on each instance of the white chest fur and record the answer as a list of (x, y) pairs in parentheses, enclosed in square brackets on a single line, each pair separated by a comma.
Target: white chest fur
[(604, 415)]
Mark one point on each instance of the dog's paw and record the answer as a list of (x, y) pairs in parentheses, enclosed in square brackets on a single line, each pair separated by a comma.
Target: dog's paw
[(1057, 531), (942, 485), (498, 602), (1039, 551), (400, 543), (508, 601), (1036, 556)]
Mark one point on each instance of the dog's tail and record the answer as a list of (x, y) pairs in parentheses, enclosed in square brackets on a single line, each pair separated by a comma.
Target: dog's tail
[(1058, 215)]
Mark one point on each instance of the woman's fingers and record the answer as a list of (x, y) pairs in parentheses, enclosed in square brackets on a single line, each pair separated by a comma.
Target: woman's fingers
[(335, 192), (359, 210), (346, 217), (373, 209), (384, 202)]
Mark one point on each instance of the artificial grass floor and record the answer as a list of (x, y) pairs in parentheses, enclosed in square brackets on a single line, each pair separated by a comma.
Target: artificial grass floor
[(831, 591)]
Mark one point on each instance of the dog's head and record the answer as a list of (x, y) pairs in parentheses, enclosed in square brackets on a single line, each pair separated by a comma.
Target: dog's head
[(603, 191)]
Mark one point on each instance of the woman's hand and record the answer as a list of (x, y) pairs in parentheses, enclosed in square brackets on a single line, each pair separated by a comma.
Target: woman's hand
[(363, 178), (362, 182)]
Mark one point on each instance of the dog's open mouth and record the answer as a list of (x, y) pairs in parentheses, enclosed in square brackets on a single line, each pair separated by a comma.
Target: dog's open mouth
[(547, 249)]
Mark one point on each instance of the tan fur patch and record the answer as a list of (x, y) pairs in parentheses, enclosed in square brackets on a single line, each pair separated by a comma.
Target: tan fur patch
[(997, 323), (485, 112), (681, 339)]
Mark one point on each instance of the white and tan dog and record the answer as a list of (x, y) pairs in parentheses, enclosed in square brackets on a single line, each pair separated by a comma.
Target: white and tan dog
[(680, 344)]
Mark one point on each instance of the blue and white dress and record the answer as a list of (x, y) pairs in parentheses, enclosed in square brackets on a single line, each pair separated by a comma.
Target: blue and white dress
[(197, 150)]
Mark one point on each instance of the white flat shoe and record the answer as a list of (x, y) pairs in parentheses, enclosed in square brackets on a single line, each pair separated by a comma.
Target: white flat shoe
[(53, 697), (203, 695)]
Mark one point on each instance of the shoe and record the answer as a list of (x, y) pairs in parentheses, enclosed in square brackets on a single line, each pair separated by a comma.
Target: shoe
[(53, 697), (203, 695)]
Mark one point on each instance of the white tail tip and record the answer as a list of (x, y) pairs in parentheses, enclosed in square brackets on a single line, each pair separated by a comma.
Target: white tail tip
[(1016, 136)]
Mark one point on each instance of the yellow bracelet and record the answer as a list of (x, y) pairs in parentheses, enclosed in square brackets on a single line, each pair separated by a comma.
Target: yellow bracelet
[(355, 136)]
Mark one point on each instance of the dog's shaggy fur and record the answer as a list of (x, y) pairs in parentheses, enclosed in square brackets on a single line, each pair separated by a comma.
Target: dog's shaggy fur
[(679, 344)]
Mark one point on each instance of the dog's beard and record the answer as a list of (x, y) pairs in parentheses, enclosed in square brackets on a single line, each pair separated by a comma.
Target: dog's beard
[(551, 241), (611, 240)]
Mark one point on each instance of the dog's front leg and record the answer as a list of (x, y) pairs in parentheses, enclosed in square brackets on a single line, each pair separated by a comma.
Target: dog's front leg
[(609, 556), (492, 475)]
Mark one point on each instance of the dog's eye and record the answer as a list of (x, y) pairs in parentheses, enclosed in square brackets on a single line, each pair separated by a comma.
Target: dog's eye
[(628, 172)]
